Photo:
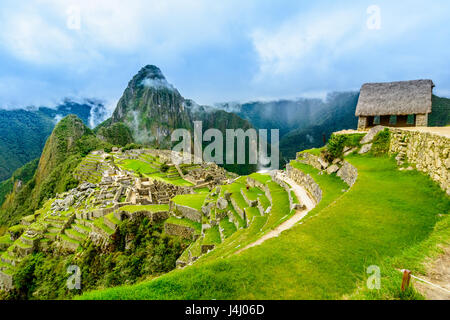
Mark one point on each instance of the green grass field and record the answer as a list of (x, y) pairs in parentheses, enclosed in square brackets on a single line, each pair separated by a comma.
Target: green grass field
[(151, 171), (151, 208), (385, 215), (191, 200)]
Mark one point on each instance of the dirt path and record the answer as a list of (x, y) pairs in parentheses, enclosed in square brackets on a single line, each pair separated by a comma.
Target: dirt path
[(438, 273), (303, 197)]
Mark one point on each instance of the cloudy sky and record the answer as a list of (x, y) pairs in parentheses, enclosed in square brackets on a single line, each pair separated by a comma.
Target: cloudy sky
[(215, 51)]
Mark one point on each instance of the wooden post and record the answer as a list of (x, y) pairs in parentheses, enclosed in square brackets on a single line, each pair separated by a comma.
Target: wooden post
[(406, 278)]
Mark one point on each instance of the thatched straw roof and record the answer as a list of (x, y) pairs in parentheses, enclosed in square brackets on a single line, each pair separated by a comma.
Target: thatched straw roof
[(395, 98)]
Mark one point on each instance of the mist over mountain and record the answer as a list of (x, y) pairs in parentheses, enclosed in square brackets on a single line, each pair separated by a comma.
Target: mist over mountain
[(151, 108), (285, 115), (302, 122), (23, 132)]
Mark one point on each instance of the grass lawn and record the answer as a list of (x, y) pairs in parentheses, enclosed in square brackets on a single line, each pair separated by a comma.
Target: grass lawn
[(162, 177), (151, 171), (5, 239), (212, 236), (150, 207), (191, 200), (384, 215), (99, 223), (185, 222), (228, 227), (263, 178), (252, 193)]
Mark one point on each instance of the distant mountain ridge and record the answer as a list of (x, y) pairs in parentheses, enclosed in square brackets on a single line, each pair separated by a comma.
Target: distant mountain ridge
[(23, 132), (306, 123)]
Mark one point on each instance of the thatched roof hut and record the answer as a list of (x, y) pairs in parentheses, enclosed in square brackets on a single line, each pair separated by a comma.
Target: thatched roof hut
[(400, 98)]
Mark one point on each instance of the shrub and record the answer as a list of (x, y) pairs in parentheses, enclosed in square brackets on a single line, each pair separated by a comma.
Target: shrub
[(131, 146), (336, 144), (335, 147), (380, 144), (164, 167)]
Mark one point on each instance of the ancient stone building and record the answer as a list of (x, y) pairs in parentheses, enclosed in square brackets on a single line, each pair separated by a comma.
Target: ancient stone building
[(395, 104)]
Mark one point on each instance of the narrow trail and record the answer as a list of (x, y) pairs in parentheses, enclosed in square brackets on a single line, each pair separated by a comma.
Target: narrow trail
[(438, 273), (303, 197)]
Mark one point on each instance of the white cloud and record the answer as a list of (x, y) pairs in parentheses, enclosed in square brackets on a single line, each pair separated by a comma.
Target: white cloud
[(212, 50), (302, 40), (158, 28)]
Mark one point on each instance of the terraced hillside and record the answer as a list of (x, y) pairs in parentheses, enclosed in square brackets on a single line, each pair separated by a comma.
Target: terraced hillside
[(117, 186), (247, 237), (207, 208), (385, 219)]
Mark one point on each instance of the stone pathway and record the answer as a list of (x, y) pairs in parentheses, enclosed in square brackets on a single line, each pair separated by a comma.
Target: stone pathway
[(438, 273), (303, 197)]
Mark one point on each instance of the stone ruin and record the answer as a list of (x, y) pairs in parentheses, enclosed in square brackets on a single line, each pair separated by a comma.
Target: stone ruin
[(152, 191)]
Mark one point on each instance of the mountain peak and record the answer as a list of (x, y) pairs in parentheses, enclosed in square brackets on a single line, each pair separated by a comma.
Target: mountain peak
[(151, 72), (151, 76)]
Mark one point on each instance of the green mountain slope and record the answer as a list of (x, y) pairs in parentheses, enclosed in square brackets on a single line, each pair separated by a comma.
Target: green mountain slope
[(19, 177), (338, 115), (23, 132), (440, 112), (70, 140)]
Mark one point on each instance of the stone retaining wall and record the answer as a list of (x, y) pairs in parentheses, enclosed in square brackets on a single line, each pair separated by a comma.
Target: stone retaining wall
[(153, 216), (250, 203), (261, 208), (306, 181), (255, 183), (68, 245), (179, 230), (186, 212), (237, 208), (309, 159), (6, 281), (348, 173), (427, 151)]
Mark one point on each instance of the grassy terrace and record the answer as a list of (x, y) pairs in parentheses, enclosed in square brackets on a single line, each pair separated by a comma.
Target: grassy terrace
[(212, 236), (385, 215), (252, 193), (152, 170), (5, 239), (112, 218), (263, 178), (237, 217), (185, 222), (191, 200), (280, 208), (66, 238), (228, 227), (151, 208), (99, 223)]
